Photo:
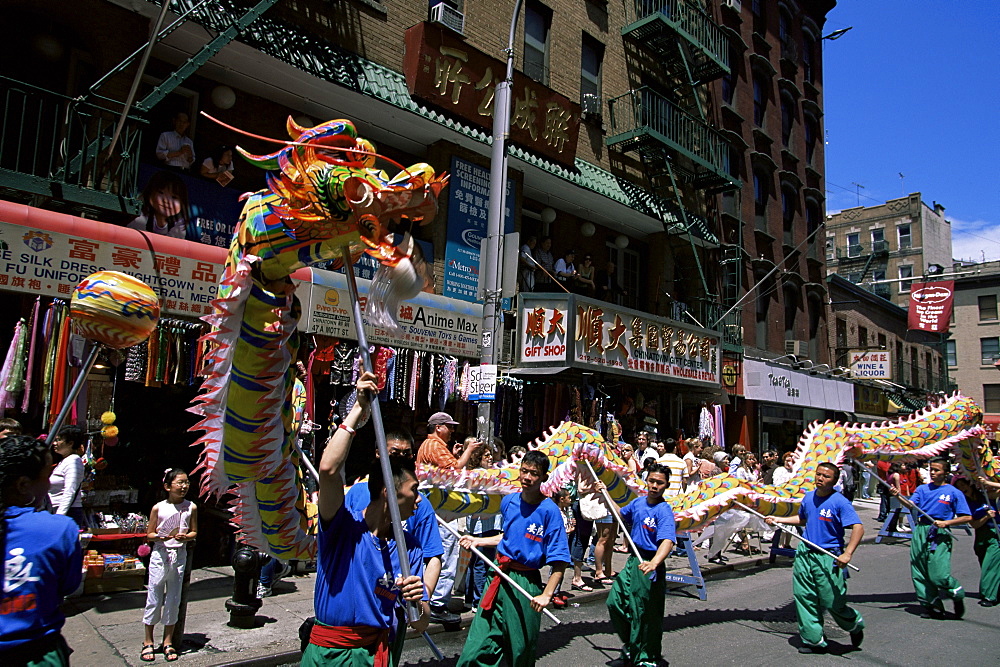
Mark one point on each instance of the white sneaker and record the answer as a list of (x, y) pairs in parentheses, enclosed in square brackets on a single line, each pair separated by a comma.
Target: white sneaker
[(284, 569), (263, 591)]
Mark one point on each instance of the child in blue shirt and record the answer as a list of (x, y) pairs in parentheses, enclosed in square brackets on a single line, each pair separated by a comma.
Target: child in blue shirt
[(534, 535), (987, 544), (819, 580), (636, 601), (931, 545)]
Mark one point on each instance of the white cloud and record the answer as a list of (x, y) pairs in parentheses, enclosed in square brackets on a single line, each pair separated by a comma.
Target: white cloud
[(975, 240)]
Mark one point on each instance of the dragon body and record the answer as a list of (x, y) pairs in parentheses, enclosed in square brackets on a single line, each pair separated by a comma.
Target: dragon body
[(323, 195), (952, 425)]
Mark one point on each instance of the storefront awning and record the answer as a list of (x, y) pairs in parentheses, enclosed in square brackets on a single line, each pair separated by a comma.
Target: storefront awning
[(537, 370)]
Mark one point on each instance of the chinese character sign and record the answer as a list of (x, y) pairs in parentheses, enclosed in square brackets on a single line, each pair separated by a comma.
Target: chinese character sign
[(871, 364), (543, 335), (930, 306), (468, 209)]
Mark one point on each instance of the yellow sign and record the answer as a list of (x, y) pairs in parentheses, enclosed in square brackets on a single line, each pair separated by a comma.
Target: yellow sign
[(730, 375), (332, 298)]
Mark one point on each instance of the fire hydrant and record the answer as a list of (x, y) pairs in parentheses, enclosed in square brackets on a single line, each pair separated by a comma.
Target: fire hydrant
[(243, 606)]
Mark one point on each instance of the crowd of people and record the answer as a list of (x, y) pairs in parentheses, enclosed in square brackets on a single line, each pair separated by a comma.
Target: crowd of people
[(539, 270)]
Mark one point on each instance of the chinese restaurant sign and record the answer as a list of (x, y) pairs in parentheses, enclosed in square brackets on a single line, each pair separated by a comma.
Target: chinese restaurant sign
[(596, 335), (930, 306), (448, 73), (427, 322)]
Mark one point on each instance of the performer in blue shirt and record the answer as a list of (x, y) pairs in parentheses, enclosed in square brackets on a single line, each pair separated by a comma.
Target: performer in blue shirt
[(819, 581), (987, 544), (358, 579), (637, 597), (507, 624), (422, 525), (42, 558), (931, 544)]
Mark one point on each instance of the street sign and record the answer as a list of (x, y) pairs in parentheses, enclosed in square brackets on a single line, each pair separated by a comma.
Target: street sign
[(483, 382)]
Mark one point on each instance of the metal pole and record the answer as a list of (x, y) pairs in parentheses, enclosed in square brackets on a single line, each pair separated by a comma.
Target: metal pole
[(88, 364), (615, 514), (986, 490), (794, 534), (490, 264), (496, 568)]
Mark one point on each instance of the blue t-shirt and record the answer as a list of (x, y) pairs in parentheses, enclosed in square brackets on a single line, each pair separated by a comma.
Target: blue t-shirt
[(825, 518), (422, 525), (981, 511), (356, 572), (43, 563), (650, 524), (533, 535), (943, 502)]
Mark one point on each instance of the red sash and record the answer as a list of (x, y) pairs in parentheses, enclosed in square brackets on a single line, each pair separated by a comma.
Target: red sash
[(360, 636), (506, 565)]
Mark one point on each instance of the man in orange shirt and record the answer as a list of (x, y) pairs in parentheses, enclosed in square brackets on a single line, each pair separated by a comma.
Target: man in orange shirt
[(436, 451)]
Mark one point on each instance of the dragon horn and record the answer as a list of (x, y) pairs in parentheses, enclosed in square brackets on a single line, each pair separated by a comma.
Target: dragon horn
[(294, 129)]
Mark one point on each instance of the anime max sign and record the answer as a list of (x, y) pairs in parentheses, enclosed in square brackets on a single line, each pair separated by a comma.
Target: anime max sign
[(931, 305)]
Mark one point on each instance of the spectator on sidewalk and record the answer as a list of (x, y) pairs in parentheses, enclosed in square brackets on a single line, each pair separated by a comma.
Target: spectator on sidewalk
[(768, 466), (676, 465)]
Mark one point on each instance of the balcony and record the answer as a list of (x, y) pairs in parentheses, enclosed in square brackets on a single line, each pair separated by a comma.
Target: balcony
[(860, 251), (679, 31), (56, 147), (705, 313), (883, 290), (667, 137)]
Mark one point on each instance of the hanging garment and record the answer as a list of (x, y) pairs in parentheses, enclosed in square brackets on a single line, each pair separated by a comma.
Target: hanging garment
[(720, 426), (706, 426), (7, 398), (33, 333)]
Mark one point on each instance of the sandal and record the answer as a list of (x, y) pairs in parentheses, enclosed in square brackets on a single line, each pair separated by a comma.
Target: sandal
[(605, 581), (169, 652), (146, 655), (582, 587)]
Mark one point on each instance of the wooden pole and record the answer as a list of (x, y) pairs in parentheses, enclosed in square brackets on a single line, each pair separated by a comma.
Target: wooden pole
[(614, 512)]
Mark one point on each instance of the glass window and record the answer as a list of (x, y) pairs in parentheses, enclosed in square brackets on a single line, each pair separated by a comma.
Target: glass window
[(990, 349), (831, 250), (987, 307), (537, 21), (991, 397), (787, 119), (878, 275), (760, 194), (863, 336), (759, 100), (591, 58), (729, 81), (808, 46), (951, 352), (811, 132), (791, 311), (788, 213), (905, 240), (905, 271), (878, 236), (854, 245)]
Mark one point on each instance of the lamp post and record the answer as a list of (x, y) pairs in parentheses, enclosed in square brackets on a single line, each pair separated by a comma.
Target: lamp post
[(489, 265)]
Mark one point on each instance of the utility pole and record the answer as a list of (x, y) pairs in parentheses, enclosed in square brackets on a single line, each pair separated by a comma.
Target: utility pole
[(490, 264)]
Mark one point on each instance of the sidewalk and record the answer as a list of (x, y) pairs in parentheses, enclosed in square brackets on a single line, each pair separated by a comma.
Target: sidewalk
[(107, 630)]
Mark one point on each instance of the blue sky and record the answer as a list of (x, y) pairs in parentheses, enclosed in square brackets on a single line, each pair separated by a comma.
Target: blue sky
[(913, 88)]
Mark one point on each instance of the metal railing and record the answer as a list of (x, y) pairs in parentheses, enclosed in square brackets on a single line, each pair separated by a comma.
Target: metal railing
[(685, 16), (706, 313), (646, 111), (48, 139)]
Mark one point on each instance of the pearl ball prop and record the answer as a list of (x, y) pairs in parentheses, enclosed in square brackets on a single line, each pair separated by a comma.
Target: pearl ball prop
[(621, 241), (114, 309), (224, 97), (587, 229)]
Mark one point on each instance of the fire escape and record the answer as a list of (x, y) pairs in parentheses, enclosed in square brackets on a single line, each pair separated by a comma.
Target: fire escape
[(855, 261), (664, 122)]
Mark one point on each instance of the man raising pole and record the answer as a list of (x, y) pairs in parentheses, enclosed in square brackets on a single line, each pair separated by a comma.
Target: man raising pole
[(819, 581)]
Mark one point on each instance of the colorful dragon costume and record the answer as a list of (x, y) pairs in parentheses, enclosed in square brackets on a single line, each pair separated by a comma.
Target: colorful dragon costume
[(323, 194), (954, 424)]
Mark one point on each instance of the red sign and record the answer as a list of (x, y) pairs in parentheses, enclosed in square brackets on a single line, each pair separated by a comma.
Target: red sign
[(448, 73), (992, 425), (930, 306)]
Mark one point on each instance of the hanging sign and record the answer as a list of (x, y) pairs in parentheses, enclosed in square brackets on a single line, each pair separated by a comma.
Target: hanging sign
[(483, 382), (871, 364), (930, 306)]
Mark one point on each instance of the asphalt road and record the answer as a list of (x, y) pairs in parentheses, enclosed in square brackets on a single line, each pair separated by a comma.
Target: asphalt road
[(749, 619)]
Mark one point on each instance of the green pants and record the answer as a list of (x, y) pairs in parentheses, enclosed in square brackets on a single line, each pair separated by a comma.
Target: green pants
[(818, 586), (931, 569), (396, 645), (636, 608), (49, 651), (508, 631), (988, 552), (315, 656)]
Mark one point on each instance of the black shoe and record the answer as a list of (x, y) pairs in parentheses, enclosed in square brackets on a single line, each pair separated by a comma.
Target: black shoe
[(440, 614), (959, 608), (931, 613), (819, 650), (988, 603), (717, 560), (857, 637), (880, 519)]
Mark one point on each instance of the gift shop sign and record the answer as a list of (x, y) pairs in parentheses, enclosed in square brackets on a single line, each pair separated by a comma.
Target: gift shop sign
[(871, 364), (427, 322), (447, 72), (930, 306), (591, 334)]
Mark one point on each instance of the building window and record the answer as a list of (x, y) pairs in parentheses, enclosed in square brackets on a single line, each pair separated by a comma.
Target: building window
[(854, 245), (591, 59), (862, 337), (990, 350), (905, 240), (987, 307), (787, 120), (759, 18), (791, 311), (881, 341), (831, 247), (905, 271), (878, 275), (878, 239), (808, 67), (841, 342), (760, 85), (537, 24), (760, 194), (991, 397), (729, 81), (951, 352), (854, 277), (788, 214), (914, 367), (811, 133)]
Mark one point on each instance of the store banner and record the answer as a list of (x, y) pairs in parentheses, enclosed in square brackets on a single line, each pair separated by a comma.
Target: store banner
[(773, 383), (47, 253), (428, 322), (930, 306), (594, 335), (468, 211), (870, 364)]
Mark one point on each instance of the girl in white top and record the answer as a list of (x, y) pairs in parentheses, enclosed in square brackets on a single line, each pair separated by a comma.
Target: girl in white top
[(172, 523), (67, 477)]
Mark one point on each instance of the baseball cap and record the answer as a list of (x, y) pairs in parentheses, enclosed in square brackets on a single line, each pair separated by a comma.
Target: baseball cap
[(440, 418)]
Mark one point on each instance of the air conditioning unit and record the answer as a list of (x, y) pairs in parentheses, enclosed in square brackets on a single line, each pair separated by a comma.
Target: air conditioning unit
[(591, 104), (799, 348), (449, 17), (735, 5)]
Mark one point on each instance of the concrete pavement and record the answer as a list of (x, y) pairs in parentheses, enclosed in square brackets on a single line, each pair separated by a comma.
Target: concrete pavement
[(107, 630)]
